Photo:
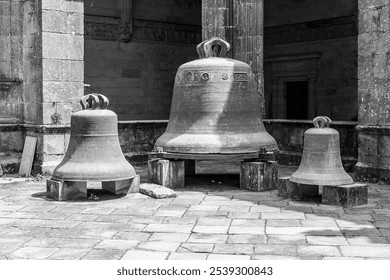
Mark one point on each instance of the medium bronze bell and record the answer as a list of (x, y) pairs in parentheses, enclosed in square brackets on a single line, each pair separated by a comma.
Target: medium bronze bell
[(215, 107), (321, 160), (94, 153)]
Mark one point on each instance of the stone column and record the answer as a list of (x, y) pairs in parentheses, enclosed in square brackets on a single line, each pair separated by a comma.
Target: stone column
[(239, 22), (53, 50), (374, 90)]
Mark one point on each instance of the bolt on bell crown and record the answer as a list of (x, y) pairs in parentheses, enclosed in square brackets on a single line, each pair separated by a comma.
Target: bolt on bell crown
[(321, 161), (215, 106), (94, 152)]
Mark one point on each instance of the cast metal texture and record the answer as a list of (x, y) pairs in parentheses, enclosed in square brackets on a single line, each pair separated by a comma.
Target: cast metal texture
[(321, 160), (215, 107), (94, 152)]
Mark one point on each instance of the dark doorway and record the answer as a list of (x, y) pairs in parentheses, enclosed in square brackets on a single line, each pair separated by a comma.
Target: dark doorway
[(297, 97)]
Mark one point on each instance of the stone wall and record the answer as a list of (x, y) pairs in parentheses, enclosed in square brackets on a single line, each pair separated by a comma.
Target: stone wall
[(314, 41), (53, 74), (137, 74), (11, 61), (284, 12), (374, 90)]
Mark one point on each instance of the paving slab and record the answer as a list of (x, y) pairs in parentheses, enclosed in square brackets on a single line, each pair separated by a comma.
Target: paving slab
[(37, 253), (318, 251), (187, 256), (222, 257), (189, 247), (69, 254), (247, 238), (283, 223), (169, 237), (103, 254), (326, 240), (366, 251), (208, 238), (268, 249), (158, 246), (233, 249), (206, 220), (144, 255)]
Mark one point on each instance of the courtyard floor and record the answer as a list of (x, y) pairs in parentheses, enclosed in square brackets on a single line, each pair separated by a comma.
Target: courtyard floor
[(209, 219)]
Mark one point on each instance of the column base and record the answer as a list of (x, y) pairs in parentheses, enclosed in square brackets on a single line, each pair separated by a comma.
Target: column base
[(372, 174)]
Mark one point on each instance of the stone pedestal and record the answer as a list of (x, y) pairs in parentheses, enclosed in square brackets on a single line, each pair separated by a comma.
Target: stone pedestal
[(168, 173), (66, 190), (342, 195), (288, 189), (77, 190), (259, 175), (345, 195), (122, 186)]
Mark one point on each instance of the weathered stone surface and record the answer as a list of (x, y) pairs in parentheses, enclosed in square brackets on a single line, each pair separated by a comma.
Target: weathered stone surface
[(156, 191), (66, 190), (168, 173), (259, 175), (345, 195), (122, 186), (288, 189)]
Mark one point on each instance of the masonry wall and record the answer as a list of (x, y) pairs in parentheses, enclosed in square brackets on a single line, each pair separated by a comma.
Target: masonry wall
[(327, 32), (11, 61), (137, 75)]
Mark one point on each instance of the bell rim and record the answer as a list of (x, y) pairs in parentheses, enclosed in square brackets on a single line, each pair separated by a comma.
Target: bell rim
[(63, 179), (323, 182)]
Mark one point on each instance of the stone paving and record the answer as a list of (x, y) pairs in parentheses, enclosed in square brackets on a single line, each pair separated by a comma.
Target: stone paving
[(209, 219)]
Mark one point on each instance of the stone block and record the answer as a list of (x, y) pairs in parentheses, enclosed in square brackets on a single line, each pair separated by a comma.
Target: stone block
[(259, 175), (66, 190), (288, 189), (168, 173), (156, 191), (345, 195), (122, 186)]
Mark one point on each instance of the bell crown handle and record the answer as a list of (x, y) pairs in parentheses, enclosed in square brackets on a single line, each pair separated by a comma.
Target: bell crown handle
[(322, 122), (94, 101), (200, 49), (215, 47)]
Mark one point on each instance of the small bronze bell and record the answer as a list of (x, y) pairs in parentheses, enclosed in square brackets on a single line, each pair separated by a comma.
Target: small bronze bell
[(215, 107), (321, 160), (94, 152)]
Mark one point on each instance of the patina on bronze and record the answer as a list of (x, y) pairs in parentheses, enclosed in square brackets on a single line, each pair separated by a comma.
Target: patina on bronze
[(94, 153), (321, 160), (215, 107)]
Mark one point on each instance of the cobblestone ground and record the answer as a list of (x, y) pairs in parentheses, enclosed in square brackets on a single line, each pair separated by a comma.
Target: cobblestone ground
[(210, 219)]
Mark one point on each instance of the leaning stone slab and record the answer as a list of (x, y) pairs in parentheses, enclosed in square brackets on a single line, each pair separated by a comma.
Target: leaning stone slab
[(156, 191)]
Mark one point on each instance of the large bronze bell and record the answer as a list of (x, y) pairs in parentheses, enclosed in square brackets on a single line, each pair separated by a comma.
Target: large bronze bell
[(215, 107), (321, 160), (94, 153)]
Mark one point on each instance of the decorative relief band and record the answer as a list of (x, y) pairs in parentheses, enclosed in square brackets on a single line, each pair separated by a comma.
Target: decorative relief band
[(109, 28), (326, 29)]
